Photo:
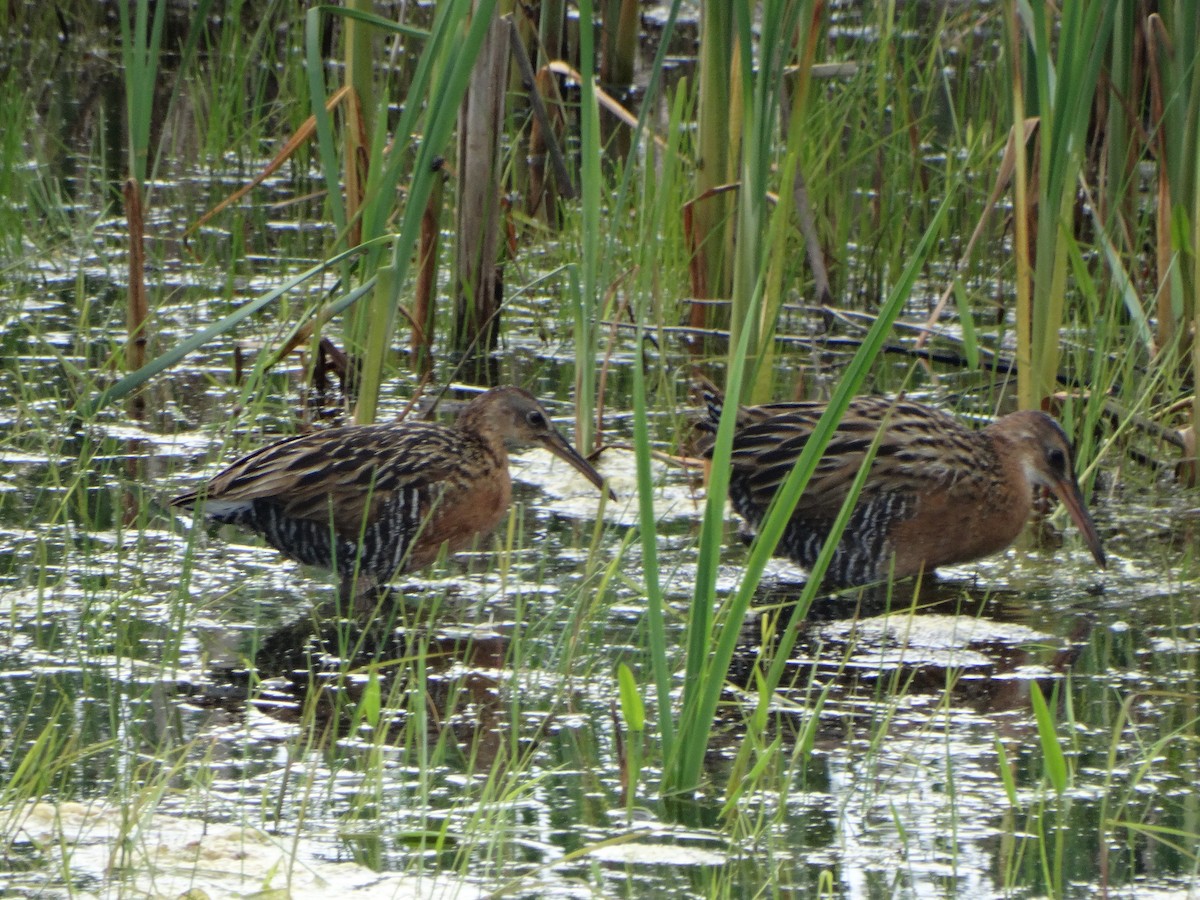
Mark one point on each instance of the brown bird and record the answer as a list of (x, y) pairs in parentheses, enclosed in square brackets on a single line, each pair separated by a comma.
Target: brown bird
[(938, 493), (368, 501)]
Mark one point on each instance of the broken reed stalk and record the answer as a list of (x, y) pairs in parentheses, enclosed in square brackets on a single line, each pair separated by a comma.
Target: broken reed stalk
[(478, 287)]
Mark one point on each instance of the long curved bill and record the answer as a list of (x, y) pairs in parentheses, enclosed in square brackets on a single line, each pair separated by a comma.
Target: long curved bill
[(557, 444), (1067, 490)]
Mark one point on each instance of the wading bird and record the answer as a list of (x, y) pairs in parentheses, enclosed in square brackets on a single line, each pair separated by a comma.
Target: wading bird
[(369, 501), (938, 493)]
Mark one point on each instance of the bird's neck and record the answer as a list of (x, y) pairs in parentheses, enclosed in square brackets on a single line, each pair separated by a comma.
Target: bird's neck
[(1008, 455), (475, 423)]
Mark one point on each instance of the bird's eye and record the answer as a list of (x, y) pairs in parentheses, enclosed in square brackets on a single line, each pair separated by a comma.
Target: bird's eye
[(536, 419), (1057, 460)]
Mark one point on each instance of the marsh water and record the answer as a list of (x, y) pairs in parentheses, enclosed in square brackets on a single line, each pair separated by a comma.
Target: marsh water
[(181, 712)]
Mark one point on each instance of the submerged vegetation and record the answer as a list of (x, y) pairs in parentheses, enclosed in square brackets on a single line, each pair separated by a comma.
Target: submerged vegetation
[(228, 222)]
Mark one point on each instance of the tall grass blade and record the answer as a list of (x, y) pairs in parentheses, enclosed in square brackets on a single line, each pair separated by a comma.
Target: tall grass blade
[(326, 141), (1065, 87), (445, 94), (708, 659), (760, 101), (1053, 758), (357, 137), (1174, 46), (655, 623), (590, 206), (156, 366), (718, 139), (655, 222), (140, 43)]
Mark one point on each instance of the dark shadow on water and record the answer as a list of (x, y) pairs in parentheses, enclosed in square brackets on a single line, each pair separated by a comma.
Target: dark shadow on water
[(374, 679), (980, 644)]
